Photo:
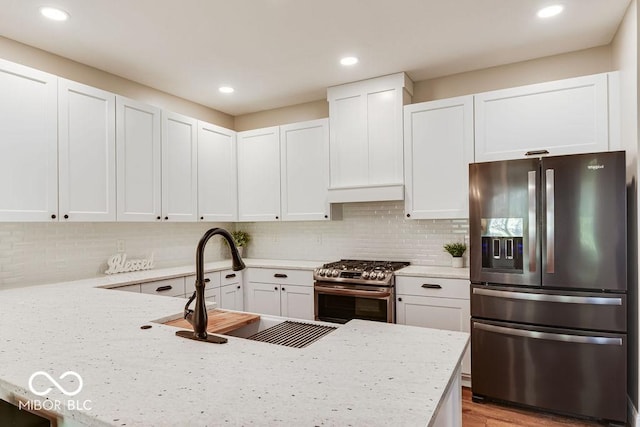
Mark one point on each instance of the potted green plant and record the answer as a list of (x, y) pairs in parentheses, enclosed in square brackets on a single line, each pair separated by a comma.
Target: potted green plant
[(456, 250), (241, 239)]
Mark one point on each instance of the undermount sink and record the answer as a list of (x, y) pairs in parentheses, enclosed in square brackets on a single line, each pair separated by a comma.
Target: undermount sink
[(273, 330), (253, 328), (287, 333)]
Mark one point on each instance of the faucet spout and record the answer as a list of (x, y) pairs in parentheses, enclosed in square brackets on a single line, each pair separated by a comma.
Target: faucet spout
[(198, 316)]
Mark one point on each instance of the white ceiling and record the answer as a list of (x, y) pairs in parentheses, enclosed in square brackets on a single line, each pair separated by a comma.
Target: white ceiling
[(283, 52)]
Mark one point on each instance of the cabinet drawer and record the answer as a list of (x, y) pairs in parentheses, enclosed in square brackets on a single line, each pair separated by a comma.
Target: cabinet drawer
[(280, 275), (228, 277), (432, 287), (190, 282), (169, 287)]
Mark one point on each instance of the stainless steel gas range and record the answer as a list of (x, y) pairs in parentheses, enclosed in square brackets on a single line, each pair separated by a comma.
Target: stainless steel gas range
[(356, 289)]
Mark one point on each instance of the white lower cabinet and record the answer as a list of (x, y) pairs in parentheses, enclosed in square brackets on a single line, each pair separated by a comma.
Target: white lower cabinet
[(211, 288), (435, 303), (280, 292), (231, 290), (296, 302), (168, 287)]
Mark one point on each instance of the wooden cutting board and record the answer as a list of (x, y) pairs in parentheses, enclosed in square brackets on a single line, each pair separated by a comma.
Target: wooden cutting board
[(220, 321)]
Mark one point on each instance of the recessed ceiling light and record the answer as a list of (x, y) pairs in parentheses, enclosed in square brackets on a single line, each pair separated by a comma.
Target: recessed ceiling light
[(226, 89), (549, 11), (54, 13), (349, 60)]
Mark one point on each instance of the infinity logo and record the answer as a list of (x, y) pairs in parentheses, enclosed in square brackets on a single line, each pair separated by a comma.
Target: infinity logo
[(55, 383)]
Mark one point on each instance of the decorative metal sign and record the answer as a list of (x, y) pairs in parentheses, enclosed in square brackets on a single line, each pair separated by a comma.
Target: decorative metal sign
[(119, 263)]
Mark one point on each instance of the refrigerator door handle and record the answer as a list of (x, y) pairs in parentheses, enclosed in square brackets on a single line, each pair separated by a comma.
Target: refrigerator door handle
[(532, 220), (565, 299), (550, 193), (580, 339)]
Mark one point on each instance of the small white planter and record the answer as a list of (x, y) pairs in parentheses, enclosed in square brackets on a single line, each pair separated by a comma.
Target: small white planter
[(457, 261)]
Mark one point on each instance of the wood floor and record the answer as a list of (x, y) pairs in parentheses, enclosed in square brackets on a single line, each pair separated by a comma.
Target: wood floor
[(495, 415)]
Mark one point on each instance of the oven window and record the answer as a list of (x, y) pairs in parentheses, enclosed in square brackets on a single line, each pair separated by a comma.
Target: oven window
[(341, 308)]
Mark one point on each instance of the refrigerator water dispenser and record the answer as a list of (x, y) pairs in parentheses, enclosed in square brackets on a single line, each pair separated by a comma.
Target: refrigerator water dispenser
[(502, 245)]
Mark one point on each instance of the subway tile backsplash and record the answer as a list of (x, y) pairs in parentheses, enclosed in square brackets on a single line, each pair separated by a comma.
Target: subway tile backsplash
[(372, 230), (36, 253)]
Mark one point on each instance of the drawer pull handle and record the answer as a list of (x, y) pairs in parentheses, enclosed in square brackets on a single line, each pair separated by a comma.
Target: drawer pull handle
[(430, 286), (164, 288), (230, 276), (536, 152), (280, 276), (207, 280)]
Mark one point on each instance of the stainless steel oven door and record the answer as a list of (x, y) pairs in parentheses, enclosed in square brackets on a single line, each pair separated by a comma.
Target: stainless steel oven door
[(340, 303)]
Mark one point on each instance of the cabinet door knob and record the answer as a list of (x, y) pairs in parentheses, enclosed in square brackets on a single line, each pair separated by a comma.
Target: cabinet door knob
[(166, 218), (238, 286), (283, 289), (408, 215), (66, 216), (431, 286), (275, 287), (53, 216), (159, 217), (277, 217), (400, 299), (201, 218), (326, 216)]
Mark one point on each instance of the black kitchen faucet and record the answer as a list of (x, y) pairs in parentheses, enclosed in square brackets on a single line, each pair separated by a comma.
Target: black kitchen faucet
[(198, 317)]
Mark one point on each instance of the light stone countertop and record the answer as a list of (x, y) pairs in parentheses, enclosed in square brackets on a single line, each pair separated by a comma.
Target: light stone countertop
[(364, 373), (123, 279), (434, 271)]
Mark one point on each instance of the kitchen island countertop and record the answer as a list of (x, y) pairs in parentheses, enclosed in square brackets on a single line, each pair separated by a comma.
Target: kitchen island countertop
[(364, 373)]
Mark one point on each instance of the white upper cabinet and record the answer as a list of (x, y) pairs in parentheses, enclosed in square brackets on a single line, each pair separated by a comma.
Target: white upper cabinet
[(366, 139), (217, 174), (304, 152), (179, 168), (28, 144), (560, 117), (438, 150), (138, 131), (87, 152), (259, 174)]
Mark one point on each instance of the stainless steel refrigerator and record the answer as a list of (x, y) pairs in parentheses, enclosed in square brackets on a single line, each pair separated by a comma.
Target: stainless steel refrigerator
[(548, 283)]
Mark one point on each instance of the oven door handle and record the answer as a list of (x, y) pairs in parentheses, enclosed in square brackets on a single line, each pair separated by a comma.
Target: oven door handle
[(352, 292)]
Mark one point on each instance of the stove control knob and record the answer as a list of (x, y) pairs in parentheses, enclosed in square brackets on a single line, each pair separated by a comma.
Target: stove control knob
[(322, 272), (381, 276), (335, 273), (365, 275)]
